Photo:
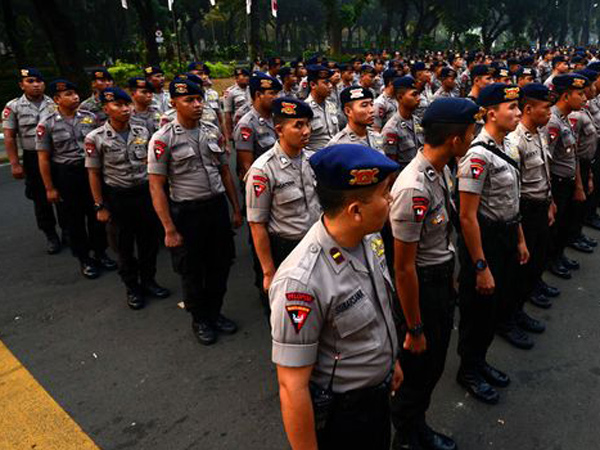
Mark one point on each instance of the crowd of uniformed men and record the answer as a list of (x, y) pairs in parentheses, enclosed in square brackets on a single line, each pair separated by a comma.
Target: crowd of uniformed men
[(363, 184)]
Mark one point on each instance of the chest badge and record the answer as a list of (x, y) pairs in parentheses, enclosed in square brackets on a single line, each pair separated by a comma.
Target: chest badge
[(377, 247)]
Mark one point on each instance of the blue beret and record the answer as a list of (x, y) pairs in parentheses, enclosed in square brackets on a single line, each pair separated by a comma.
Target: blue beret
[(60, 85), (344, 167), (194, 66), (526, 72), (577, 59), (567, 81), (291, 108), (140, 83), (451, 110), (192, 77), (447, 72), (404, 82), (353, 93), (527, 61), (389, 75), (240, 71), (595, 66), (344, 67), (152, 70), (260, 81), (502, 72), (558, 59), (590, 74), (418, 66), (497, 93), (284, 72), (537, 91), (181, 87), (30, 72), (315, 59), (318, 72), (112, 94), (481, 70), (366, 68), (101, 74)]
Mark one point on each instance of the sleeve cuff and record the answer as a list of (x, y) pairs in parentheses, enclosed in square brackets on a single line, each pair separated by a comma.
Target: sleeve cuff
[(470, 185), (290, 355), (257, 215), (157, 169), (407, 231)]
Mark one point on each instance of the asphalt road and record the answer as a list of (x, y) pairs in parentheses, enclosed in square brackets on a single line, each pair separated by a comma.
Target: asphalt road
[(139, 379)]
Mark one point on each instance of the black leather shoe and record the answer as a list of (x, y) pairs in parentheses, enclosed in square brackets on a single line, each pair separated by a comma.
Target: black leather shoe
[(52, 243), (432, 440), (225, 325), (516, 337), (105, 262), (581, 246), (476, 385), (153, 289), (540, 300), (589, 240), (494, 376), (528, 323), (593, 222), (135, 299), (558, 269), (570, 264), (204, 332), (89, 269), (548, 291), (407, 440)]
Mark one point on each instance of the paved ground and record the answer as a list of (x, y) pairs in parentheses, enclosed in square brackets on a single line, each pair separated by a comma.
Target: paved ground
[(139, 380)]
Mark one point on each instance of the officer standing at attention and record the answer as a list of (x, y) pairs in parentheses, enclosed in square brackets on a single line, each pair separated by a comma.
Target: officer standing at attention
[(492, 242), (385, 104), (421, 217), (60, 146), (422, 76), (101, 79), (255, 133), (156, 77), (325, 123), (116, 159), (19, 119), (334, 341), (502, 75), (357, 103), (367, 77), (212, 106), (186, 153), (482, 76), (403, 134), (525, 75), (560, 66), (235, 98), (448, 84), (281, 203), (289, 83), (143, 112)]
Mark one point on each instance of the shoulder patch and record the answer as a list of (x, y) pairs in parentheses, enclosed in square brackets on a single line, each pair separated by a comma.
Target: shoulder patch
[(299, 297), (391, 138), (553, 133), (159, 149), (40, 130), (420, 205), (246, 133), (90, 147), (6, 113), (298, 315)]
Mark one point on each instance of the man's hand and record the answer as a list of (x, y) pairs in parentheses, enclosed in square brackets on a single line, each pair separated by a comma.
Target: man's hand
[(523, 253), (173, 239), (590, 186), (52, 195), (267, 280), (397, 378), (17, 171), (103, 215), (551, 214), (579, 195), (414, 344), (238, 220), (485, 284)]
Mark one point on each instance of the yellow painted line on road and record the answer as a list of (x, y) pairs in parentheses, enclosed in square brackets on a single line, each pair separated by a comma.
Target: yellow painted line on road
[(29, 417)]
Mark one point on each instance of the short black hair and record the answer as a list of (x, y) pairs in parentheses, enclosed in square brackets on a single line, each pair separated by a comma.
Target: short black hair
[(333, 201), (436, 134)]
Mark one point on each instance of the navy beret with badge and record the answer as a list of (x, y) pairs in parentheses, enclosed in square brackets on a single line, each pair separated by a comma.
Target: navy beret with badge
[(558, 59), (526, 72), (452, 110), (405, 82), (30, 72), (195, 66), (595, 66), (418, 66), (353, 93), (343, 167), (101, 74), (240, 71), (537, 91), (481, 70), (562, 83), (114, 94), (140, 83), (590, 74), (447, 72), (153, 70), (501, 72), (180, 87), (366, 68), (497, 93), (291, 108), (318, 72), (60, 85), (192, 77), (260, 81)]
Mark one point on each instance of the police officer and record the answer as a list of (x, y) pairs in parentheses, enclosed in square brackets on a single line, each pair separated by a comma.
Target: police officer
[(198, 230), (367, 78), (274, 64), (567, 186), (116, 159), (492, 242), (448, 84), (481, 75), (592, 219), (502, 75), (334, 340), (357, 103), (156, 77), (255, 133), (101, 79), (60, 147), (19, 119), (403, 134), (346, 76), (385, 104), (421, 218), (525, 75), (422, 76), (212, 105), (560, 66), (281, 204), (143, 112), (289, 83), (235, 99), (325, 122)]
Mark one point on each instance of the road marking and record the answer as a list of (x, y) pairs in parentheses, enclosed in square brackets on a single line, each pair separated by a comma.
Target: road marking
[(29, 417)]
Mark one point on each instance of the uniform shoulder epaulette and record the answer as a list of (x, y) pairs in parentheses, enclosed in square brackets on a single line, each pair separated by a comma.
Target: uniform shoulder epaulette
[(262, 160)]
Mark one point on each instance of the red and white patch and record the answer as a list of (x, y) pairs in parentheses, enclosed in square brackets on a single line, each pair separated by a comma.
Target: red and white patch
[(260, 178), (246, 133), (381, 113), (6, 113), (392, 138), (299, 297), (259, 188), (477, 167), (573, 121), (40, 130), (90, 148), (364, 177), (553, 133), (159, 149), (298, 315), (420, 205)]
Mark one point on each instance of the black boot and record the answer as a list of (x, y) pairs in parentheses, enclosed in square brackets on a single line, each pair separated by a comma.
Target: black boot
[(53, 245), (153, 289), (135, 298), (432, 440)]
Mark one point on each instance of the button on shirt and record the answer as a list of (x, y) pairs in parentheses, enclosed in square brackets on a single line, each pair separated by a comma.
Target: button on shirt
[(402, 138), (254, 133), (562, 142), (497, 182), (385, 107), (64, 137), (348, 136), (23, 115), (324, 124), (421, 211), (190, 159), (281, 193), (324, 302), (123, 163)]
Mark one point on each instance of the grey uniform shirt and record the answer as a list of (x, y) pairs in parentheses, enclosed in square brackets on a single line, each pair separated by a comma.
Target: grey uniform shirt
[(22, 115), (237, 101), (562, 142), (594, 108), (324, 303), (281, 194), (584, 128), (123, 164), (421, 211), (64, 137), (347, 136), (208, 115), (402, 138), (190, 159), (149, 119), (254, 133), (497, 182), (441, 92), (93, 105), (533, 156), (385, 107), (161, 101), (324, 124), (426, 99)]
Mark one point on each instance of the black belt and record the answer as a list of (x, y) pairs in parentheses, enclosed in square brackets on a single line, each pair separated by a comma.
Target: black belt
[(534, 203), (499, 224), (358, 394), (559, 179), (436, 272), (198, 204), (132, 190)]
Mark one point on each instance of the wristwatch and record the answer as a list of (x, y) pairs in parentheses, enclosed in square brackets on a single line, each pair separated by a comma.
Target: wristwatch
[(416, 331), (98, 207), (481, 265)]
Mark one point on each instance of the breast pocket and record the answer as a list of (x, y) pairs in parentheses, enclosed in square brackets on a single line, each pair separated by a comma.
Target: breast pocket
[(183, 159), (317, 125), (287, 196), (115, 155), (141, 152), (533, 168), (502, 189)]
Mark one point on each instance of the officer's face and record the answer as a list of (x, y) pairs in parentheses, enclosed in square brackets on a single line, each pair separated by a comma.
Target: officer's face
[(356, 65), (507, 116), (562, 67), (100, 85), (525, 80), (411, 99), (322, 87), (424, 76), (142, 96), (291, 80), (301, 70), (67, 99), (449, 83), (267, 97), (243, 80), (483, 81), (294, 132), (119, 110), (361, 112), (32, 87), (539, 112), (504, 80), (576, 99), (347, 76), (189, 106), (335, 78), (367, 80), (157, 80)]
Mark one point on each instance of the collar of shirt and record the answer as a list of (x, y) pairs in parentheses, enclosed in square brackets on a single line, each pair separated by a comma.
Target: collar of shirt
[(261, 120)]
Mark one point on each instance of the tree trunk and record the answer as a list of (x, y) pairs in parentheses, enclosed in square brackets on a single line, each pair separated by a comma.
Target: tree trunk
[(254, 31), (189, 29), (147, 23), (10, 23)]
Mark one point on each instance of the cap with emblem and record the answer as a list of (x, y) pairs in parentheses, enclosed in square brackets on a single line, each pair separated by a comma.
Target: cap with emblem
[(139, 83), (195, 66), (30, 72), (240, 71), (451, 110), (497, 93), (353, 93), (558, 59), (344, 167), (562, 83), (60, 85), (481, 70), (318, 72), (447, 72), (537, 91), (526, 72), (365, 68), (260, 81), (181, 87), (590, 74), (502, 72), (190, 76), (418, 66), (153, 70), (291, 108), (101, 74), (114, 94), (405, 82)]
